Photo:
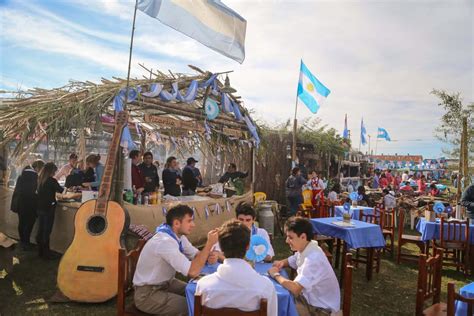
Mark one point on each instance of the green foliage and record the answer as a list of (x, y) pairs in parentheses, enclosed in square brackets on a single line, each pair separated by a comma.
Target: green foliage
[(450, 128)]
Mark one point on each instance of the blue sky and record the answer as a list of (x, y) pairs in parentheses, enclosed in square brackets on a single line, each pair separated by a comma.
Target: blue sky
[(379, 58)]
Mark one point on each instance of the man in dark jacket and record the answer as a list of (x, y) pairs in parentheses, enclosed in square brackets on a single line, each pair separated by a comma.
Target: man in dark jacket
[(467, 200), (149, 173), (232, 174), (190, 182), (24, 202)]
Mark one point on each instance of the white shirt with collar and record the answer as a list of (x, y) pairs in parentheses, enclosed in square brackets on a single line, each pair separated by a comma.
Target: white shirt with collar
[(261, 232), (316, 276), (160, 259), (236, 284)]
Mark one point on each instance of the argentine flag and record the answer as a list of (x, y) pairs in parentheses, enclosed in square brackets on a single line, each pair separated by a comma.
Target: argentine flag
[(310, 90), (382, 133)]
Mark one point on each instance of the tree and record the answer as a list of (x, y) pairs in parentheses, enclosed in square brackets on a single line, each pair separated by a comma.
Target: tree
[(450, 129)]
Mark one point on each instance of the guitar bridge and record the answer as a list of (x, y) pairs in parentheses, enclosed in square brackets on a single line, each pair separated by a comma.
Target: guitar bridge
[(90, 269)]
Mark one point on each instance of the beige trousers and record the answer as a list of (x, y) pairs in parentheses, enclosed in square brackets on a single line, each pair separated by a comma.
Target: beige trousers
[(164, 299), (304, 309)]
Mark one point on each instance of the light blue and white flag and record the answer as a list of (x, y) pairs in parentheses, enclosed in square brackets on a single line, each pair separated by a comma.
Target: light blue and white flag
[(209, 22), (363, 133), (310, 90), (382, 133), (345, 133)]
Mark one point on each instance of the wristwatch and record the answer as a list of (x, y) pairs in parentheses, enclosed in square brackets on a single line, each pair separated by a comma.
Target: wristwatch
[(275, 275)]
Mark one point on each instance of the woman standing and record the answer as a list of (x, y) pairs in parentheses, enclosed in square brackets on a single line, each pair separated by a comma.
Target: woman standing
[(48, 186), (93, 163), (24, 201)]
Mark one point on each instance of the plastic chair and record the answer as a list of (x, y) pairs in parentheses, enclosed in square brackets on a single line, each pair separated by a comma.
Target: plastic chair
[(307, 204)]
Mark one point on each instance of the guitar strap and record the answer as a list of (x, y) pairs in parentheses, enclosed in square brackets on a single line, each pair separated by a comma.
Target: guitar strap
[(165, 228)]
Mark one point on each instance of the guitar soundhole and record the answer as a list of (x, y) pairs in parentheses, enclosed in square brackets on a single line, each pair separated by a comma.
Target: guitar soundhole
[(96, 225)]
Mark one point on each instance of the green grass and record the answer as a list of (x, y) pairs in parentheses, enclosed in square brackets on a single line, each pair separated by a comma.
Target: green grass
[(391, 292)]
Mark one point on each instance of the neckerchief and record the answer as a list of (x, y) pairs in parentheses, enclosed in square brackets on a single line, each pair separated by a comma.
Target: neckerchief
[(165, 228), (254, 230)]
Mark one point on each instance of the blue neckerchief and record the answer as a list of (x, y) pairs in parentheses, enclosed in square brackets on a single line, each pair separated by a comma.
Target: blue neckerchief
[(165, 228), (254, 230)]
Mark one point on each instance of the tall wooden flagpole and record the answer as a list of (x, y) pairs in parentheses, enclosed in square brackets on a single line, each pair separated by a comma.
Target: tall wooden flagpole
[(295, 123), (118, 187)]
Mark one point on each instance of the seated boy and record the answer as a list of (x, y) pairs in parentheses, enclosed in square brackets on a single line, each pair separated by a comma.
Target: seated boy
[(245, 213), (156, 289), (236, 284), (315, 287)]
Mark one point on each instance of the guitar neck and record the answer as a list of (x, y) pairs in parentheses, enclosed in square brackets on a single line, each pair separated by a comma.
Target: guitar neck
[(106, 182)]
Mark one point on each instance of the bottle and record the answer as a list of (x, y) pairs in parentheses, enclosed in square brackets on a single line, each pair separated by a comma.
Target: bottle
[(146, 199), (139, 199)]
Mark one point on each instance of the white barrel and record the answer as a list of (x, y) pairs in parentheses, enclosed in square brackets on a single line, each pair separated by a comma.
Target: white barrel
[(266, 219)]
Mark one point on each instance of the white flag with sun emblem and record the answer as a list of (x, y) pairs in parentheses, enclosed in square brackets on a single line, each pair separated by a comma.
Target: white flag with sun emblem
[(310, 90)]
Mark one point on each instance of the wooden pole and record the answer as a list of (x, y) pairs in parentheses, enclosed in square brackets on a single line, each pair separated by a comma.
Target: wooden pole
[(295, 123), (118, 185)]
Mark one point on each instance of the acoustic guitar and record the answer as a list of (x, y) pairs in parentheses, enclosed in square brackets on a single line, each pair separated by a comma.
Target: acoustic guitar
[(88, 271)]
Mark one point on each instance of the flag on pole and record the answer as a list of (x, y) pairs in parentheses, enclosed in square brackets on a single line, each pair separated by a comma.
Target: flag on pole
[(382, 133), (310, 90), (363, 132), (345, 134), (209, 22)]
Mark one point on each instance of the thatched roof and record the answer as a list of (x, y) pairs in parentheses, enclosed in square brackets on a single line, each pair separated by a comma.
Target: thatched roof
[(32, 115)]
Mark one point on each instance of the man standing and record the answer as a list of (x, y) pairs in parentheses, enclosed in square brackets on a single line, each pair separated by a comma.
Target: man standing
[(315, 287), (190, 182), (171, 178), (236, 284), (232, 174), (137, 177), (149, 173), (67, 168), (157, 291), (467, 200)]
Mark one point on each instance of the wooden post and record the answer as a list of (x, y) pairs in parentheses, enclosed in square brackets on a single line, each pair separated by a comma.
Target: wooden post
[(465, 154)]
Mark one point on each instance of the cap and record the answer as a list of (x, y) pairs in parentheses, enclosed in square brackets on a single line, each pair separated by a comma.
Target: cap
[(191, 160)]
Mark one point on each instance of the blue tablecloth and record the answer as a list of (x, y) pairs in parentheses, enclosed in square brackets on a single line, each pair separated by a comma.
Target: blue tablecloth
[(286, 302), (354, 211), (430, 230), (466, 291), (362, 235)]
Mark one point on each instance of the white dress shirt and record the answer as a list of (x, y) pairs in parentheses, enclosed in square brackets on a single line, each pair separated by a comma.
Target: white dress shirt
[(261, 232), (316, 276), (236, 284), (332, 196), (161, 258)]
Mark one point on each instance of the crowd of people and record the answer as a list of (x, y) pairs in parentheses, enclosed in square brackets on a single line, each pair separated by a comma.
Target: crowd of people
[(235, 284)]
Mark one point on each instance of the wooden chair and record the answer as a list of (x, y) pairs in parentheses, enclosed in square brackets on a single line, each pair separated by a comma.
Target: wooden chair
[(201, 310), (387, 224), (360, 258), (127, 265), (347, 288), (429, 285), (454, 240), (453, 297), (406, 239)]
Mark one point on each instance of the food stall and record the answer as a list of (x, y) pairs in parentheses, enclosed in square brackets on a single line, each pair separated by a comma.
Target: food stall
[(169, 114)]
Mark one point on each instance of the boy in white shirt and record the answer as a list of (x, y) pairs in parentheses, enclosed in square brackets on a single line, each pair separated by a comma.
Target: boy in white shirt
[(236, 284), (157, 291), (245, 213), (315, 287)]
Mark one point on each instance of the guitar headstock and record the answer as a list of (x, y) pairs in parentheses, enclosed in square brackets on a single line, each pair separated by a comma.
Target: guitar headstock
[(122, 118)]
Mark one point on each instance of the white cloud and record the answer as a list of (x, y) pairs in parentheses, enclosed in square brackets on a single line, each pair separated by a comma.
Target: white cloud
[(380, 59)]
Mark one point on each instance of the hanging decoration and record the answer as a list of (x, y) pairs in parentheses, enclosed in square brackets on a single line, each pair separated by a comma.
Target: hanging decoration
[(211, 108)]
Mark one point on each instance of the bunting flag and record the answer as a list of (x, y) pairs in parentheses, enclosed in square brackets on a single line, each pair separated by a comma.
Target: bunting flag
[(195, 211), (206, 211), (218, 208), (164, 210), (228, 206)]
